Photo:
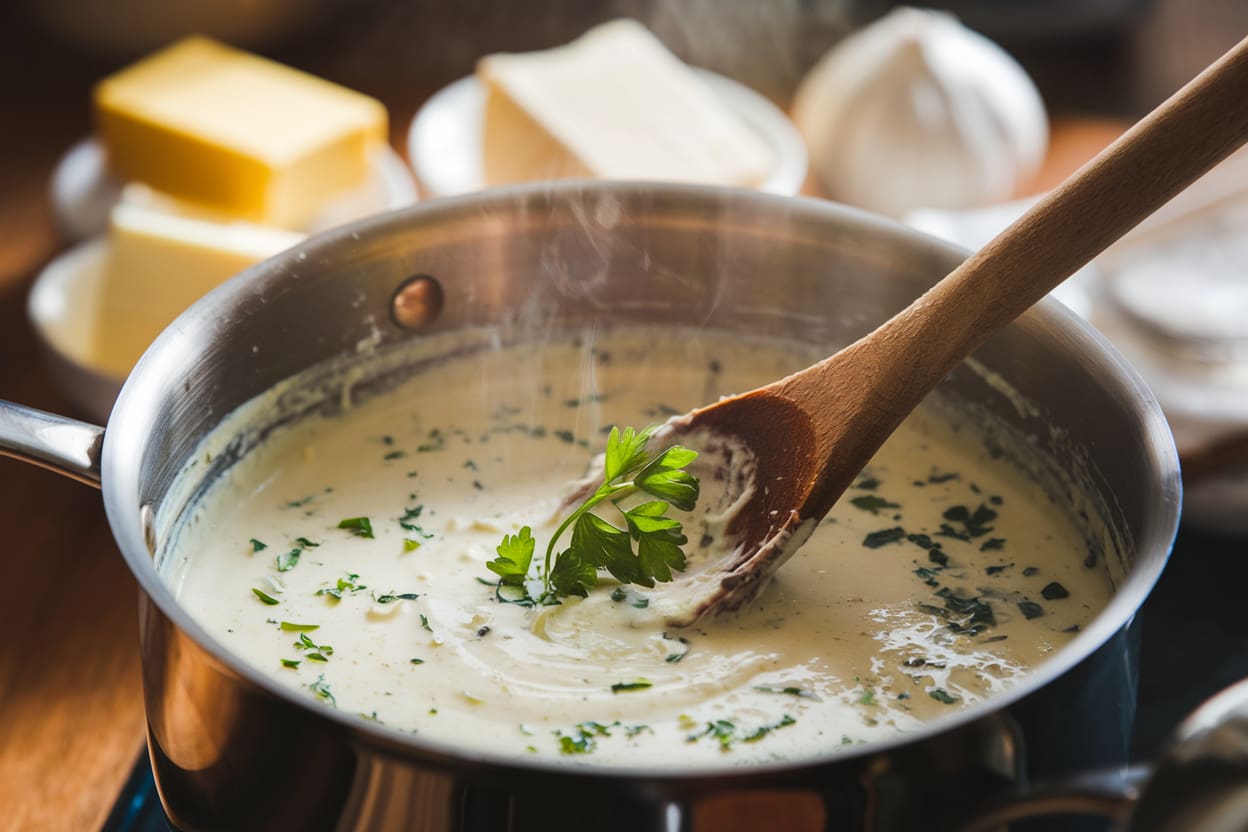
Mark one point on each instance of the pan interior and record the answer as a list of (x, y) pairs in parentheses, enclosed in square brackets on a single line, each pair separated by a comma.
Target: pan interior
[(962, 558)]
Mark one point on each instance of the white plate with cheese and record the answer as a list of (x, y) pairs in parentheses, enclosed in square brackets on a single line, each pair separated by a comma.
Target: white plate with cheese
[(212, 130), (444, 142), (61, 308), (205, 161), (83, 192)]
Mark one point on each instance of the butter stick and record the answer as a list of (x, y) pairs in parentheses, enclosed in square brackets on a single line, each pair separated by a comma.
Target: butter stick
[(236, 133)]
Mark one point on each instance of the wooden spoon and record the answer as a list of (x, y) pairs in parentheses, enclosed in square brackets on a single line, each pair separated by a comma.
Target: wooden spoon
[(811, 434)]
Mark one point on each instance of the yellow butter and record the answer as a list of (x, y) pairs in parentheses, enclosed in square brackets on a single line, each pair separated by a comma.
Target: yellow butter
[(160, 263), (613, 104), (235, 132)]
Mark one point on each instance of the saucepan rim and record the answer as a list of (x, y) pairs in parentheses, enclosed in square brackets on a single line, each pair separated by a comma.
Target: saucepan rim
[(125, 441)]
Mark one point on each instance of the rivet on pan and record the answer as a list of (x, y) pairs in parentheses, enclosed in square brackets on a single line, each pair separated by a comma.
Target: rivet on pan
[(417, 302), (147, 518)]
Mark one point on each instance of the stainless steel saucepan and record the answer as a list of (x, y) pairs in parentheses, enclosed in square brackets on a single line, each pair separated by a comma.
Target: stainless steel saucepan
[(232, 749)]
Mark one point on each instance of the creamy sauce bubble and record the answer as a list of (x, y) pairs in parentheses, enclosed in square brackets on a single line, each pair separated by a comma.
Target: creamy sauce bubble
[(939, 579)]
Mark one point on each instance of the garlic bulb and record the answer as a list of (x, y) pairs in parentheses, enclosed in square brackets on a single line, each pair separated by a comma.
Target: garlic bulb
[(918, 111)]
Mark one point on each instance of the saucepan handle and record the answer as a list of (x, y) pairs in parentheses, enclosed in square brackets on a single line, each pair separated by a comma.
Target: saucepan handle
[(1109, 793), (57, 443)]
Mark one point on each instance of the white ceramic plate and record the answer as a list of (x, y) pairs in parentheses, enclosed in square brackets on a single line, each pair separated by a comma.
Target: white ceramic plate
[(83, 192), (444, 141), (59, 305)]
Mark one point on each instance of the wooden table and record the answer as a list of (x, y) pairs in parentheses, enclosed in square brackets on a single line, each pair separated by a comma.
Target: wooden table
[(71, 714)]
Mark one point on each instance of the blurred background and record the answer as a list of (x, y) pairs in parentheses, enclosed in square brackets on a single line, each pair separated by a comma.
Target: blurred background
[(1093, 59), (1105, 56)]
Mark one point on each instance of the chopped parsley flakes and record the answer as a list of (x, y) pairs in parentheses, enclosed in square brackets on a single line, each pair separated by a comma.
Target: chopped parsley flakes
[(358, 526)]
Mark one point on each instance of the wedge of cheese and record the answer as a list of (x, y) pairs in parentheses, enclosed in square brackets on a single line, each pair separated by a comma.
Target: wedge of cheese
[(236, 133), (613, 104), (159, 264)]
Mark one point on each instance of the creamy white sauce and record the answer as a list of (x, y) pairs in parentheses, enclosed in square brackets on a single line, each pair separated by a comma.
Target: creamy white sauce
[(847, 645)]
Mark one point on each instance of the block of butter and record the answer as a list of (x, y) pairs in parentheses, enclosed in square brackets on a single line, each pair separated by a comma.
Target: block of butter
[(159, 264), (235, 132), (615, 104)]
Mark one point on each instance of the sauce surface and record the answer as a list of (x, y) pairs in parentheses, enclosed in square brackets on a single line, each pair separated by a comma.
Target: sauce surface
[(939, 579)]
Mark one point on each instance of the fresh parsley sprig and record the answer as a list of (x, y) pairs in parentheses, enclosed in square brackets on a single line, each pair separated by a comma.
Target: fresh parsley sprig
[(599, 544)]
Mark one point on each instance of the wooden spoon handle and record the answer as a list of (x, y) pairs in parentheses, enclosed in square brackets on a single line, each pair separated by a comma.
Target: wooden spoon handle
[(1173, 146)]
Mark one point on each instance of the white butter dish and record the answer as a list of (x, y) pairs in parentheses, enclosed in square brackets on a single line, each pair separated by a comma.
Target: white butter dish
[(444, 140), (83, 192), (61, 306)]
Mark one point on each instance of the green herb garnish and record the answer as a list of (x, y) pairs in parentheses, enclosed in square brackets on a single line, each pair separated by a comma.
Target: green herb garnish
[(789, 690), (406, 522), (312, 651), (967, 615), (1054, 591), (884, 536), (264, 597), (583, 738), (348, 584), (872, 503), (720, 729), (1030, 609), (974, 523), (636, 684), (391, 597), (321, 689), (291, 627), (257, 546), (359, 526), (763, 730), (291, 663), (288, 560), (726, 732), (942, 696), (437, 441), (672, 658), (598, 544), (515, 554)]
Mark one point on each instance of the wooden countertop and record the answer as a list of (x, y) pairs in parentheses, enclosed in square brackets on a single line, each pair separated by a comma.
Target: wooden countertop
[(71, 712)]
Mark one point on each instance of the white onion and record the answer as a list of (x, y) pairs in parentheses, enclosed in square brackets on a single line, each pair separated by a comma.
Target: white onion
[(918, 111)]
